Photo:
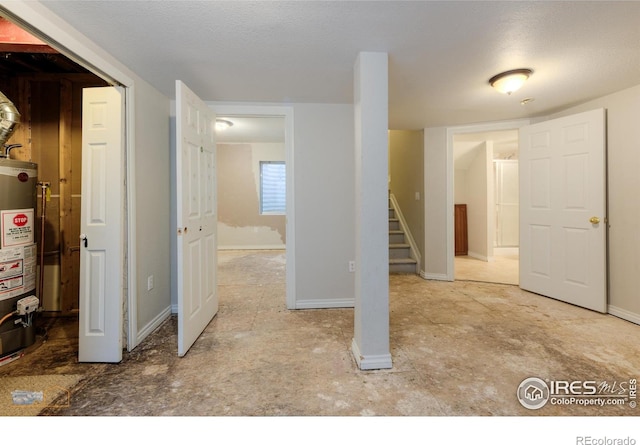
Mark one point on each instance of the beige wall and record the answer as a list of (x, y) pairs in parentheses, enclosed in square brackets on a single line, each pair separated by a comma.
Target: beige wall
[(324, 141), (623, 153), (460, 187), (435, 204), (406, 159), (479, 194), (153, 216), (240, 224)]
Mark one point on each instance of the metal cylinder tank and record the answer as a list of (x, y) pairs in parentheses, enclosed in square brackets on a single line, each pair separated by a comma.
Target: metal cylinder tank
[(18, 252)]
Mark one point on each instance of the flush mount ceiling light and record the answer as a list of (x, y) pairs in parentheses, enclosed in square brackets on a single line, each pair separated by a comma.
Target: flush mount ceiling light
[(223, 124), (510, 81)]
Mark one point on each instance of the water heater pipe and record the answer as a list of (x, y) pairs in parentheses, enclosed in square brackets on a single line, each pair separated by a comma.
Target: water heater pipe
[(9, 118), (43, 215)]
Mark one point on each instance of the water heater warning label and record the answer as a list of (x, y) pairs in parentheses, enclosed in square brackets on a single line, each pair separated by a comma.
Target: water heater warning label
[(17, 227), (17, 271)]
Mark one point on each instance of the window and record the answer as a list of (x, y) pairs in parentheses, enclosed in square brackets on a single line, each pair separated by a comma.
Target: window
[(272, 188)]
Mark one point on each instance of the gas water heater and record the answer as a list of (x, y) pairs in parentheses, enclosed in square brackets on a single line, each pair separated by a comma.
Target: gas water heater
[(18, 181), (18, 254)]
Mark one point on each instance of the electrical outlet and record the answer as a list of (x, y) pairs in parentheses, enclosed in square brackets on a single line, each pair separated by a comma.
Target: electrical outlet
[(150, 282), (352, 266)]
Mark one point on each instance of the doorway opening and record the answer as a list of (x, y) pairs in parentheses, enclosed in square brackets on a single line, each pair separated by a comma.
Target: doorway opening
[(486, 226), (49, 86), (259, 135), (252, 197), (46, 88)]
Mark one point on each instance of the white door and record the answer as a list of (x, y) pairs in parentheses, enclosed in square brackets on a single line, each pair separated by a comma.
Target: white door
[(197, 216), (101, 225), (506, 188), (562, 209)]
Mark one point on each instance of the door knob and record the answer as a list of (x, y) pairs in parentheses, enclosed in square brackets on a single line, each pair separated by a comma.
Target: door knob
[(85, 240), (594, 220)]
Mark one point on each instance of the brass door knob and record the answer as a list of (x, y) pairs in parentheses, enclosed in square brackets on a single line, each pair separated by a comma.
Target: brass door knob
[(594, 220)]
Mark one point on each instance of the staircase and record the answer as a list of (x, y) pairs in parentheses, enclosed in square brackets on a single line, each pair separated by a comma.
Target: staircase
[(401, 258)]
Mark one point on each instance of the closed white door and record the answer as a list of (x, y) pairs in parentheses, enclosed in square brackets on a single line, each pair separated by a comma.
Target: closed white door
[(563, 209), (197, 216), (101, 226)]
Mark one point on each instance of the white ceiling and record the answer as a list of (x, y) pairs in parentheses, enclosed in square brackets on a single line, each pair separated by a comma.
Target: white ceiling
[(252, 129), (441, 53)]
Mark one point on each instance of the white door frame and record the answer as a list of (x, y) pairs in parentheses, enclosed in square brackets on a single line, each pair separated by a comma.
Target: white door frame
[(223, 109), (450, 166), (38, 20)]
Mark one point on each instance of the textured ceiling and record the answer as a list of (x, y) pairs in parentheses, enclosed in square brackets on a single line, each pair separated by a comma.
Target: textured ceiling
[(441, 54)]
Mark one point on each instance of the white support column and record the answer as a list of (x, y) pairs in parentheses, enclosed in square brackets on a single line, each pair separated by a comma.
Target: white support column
[(370, 344)]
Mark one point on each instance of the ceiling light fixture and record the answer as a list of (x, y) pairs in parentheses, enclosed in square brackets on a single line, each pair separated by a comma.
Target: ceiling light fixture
[(223, 124), (510, 81)]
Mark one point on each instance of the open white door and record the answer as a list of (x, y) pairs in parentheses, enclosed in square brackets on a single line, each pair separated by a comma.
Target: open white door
[(563, 209), (197, 216), (101, 225)]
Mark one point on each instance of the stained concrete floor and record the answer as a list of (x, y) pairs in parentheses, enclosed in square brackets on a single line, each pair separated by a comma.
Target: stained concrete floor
[(459, 349)]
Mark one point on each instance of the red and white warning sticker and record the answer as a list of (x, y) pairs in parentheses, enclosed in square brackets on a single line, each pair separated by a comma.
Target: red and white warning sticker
[(17, 227)]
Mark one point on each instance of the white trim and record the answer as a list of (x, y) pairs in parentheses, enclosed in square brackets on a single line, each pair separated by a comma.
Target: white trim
[(254, 247), (435, 276), (174, 308), (624, 314), (370, 362), (477, 256), (133, 336), (287, 112), (38, 19), (414, 252), (335, 303), (155, 323), (451, 132)]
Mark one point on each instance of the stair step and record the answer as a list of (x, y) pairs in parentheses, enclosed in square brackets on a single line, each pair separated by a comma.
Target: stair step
[(399, 250), (402, 261), (396, 236), (403, 265)]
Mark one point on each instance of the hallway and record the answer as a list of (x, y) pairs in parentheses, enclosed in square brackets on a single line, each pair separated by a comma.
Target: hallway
[(504, 269), (459, 349)]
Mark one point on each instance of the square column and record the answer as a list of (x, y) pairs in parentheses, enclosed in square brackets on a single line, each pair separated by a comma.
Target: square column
[(370, 344)]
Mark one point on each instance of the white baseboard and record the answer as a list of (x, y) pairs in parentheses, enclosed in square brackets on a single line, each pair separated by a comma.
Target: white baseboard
[(254, 247), (174, 308), (153, 324), (506, 251), (434, 276), (326, 304), (477, 256), (370, 362), (624, 314)]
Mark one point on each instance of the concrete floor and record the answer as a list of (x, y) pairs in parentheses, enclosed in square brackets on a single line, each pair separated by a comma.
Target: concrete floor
[(458, 348)]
